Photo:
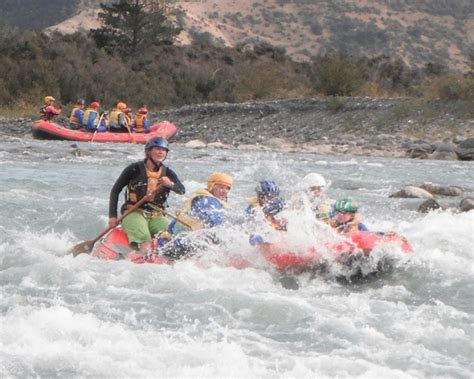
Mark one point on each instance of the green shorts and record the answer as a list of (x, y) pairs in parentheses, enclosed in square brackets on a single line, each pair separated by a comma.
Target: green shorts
[(141, 228)]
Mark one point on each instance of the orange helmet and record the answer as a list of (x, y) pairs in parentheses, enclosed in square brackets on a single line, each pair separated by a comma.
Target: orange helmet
[(95, 105), (121, 106), (219, 178), (48, 99), (143, 110)]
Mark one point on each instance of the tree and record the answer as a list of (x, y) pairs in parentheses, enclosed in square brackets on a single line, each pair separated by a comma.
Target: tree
[(132, 25), (337, 74)]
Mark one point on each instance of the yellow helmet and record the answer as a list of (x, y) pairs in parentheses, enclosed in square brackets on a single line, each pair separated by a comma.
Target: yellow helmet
[(219, 178), (121, 106), (48, 99)]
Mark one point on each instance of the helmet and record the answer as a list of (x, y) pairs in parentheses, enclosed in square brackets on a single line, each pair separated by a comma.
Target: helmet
[(81, 102), (345, 205), (313, 180), (157, 142), (127, 110), (268, 188), (219, 178), (143, 110), (121, 106), (95, 105), (47, 99)]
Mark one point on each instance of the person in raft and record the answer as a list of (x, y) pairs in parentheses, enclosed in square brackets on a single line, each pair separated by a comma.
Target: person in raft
[(77, 115), (347, 218), (92, 121), (145, 178), (267, 203), (312, 194), (117, 118), (49, 110), (140, 123), (206, 208)]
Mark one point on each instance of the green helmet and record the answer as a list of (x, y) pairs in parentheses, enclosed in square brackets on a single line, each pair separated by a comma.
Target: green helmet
[(345, 205)]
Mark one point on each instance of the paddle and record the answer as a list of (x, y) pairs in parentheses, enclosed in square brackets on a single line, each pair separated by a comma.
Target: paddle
[(189, 223), (86, 246), (130, 134), (98, 125)]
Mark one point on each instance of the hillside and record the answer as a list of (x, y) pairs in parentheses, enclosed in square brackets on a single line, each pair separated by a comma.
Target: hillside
[(417, 32), (421, 32)]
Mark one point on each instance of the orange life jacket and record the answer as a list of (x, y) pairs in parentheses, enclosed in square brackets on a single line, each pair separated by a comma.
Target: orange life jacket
[(140, 123)]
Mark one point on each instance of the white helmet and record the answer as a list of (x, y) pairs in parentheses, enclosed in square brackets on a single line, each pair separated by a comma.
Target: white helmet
[(313, 180)]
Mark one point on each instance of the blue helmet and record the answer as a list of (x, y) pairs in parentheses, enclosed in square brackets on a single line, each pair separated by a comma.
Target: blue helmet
[(81, 102), (268, 188), (157, 142)]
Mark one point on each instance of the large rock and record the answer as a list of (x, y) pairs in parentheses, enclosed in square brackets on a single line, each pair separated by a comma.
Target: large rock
[(436, 189), (466, 204), (428, 206), (412, 192), (195, 144), (421, 150), (444, 151), (465, 150)]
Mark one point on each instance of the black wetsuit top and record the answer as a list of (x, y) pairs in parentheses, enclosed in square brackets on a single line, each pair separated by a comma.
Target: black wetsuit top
[(133, 172)]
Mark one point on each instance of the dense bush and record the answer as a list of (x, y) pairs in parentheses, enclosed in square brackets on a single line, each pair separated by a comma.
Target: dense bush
[(34, 64)]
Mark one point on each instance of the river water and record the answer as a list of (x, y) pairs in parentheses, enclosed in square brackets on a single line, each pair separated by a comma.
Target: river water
[(66, 317)]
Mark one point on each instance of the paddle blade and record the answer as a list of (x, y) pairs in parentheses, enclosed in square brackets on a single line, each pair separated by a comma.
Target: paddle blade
[(82, 248)]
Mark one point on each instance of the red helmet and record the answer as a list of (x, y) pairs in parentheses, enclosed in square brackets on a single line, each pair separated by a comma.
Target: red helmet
[(95, 105), (143, 110)]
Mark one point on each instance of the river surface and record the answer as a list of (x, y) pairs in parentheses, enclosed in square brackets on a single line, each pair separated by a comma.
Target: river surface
[(84, 317)]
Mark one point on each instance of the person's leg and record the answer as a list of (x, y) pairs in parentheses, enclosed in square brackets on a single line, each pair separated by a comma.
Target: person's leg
[(158, 224), (136, 225)]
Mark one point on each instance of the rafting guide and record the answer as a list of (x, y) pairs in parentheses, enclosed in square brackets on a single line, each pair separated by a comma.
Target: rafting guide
[(145, 178)]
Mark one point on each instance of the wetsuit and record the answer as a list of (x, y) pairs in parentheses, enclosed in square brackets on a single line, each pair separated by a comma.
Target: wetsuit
[(135, 172)]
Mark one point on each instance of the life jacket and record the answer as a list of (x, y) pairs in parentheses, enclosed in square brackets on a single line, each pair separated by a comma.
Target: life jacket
[(353, 225), (114, 118), (87, 115), (144, 184), (203, 192), (73, 119), (48, 112), (255, 207), (191, 220), (140, 123)]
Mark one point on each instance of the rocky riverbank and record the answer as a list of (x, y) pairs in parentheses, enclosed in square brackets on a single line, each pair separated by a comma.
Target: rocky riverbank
[(357, 126)]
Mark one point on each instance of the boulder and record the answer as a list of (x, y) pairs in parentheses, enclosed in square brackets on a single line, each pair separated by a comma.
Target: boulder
[(436, 189), (420, 151), (428, 206), (278, 143), (443, 156), (412, 192), (444, 151), (195, 144), (465, 150), (466, 204), (467, 143)]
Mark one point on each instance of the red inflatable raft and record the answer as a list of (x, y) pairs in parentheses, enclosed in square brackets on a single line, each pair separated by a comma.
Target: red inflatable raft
[(52, 131), (362, 243), (115, 246)]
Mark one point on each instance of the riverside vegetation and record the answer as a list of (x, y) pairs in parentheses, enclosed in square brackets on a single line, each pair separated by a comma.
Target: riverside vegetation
[(239, 96)]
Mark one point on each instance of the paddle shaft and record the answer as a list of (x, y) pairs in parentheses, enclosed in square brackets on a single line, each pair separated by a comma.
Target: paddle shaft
[(130, 132), (98, 125), (177, 219), (134, 207)]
